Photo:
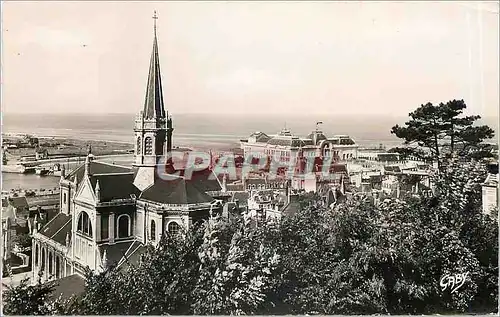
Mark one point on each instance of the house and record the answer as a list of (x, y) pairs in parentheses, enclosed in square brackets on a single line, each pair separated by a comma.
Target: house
[(41, 153)]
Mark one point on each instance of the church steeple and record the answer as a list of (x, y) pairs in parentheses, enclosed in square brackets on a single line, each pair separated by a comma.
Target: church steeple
[(153, 127), (153, 105)]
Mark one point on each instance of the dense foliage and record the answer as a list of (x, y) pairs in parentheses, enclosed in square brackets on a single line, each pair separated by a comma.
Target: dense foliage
[(436, 131), (26, 299), (357, 258)]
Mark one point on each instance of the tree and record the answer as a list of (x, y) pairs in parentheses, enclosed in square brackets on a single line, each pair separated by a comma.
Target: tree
[(438, 131), (22, 240), (27, 299)]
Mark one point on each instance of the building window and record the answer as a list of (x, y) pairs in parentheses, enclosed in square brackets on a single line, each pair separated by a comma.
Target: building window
[(104, 227), (84, 224), (42, 266), (50, 263), (64, 197), (153, 231), (58, 267), (37, 250), (124, 226), (148, 144), (173, 228), (139, 145)]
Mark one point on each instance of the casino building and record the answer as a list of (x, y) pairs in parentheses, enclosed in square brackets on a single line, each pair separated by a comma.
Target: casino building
[(285, 145)]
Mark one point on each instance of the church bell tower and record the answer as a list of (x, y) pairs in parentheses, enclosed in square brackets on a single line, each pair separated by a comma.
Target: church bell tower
[(153, 126)]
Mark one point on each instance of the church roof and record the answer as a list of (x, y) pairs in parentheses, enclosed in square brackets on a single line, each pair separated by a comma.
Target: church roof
[(57, 228), (115, 252), (132, 255), (176, 190), (114, 186), (153, 105), (96, 168)]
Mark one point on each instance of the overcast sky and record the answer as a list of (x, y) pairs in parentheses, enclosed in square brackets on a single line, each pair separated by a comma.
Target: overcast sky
[(244, 57)]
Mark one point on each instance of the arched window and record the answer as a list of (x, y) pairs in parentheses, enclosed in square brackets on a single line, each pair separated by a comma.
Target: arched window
[(124, 226), (84, 224), (139, 150), (42, 267), (173, 228), (148, 144), (153, 231)]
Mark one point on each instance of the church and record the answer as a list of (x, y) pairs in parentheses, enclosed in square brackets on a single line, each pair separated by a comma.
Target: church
[(108, 213)]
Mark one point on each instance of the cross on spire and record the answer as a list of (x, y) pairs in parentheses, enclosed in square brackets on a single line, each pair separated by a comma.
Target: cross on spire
[(155, 17)]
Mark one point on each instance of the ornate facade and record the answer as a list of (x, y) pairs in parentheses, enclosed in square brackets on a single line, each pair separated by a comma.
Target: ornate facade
[(284, 145), (109, 212)]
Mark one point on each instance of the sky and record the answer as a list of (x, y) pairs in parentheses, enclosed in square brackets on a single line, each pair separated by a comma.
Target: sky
[(353, 58)]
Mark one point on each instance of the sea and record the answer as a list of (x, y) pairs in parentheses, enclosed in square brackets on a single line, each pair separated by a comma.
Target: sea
[(198, 131)]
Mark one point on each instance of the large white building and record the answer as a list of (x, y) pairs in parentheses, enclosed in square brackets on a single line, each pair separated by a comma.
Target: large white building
[(284, 145)]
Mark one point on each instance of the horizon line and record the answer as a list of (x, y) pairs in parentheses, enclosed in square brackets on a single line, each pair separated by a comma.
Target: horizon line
[(378, 114)]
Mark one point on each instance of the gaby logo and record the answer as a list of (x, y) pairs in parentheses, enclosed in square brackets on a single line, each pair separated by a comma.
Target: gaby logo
[(453, 282)]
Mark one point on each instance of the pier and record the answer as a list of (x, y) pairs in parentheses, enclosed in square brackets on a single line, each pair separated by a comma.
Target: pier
[(30, 166)]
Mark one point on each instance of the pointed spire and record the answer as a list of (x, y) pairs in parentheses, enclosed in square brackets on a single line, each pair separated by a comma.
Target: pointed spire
[(67, 239), (224, 183), (153, 105), (104, 261), (35, 224), (98, 191)]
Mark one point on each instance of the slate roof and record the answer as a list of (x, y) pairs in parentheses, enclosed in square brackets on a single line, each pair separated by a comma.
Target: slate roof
[(319, 136), (339, 168), (96, 168), (67, 287), (115, 252), (387, 157), (260, 137), (18, 202), (235, 187), (176, 190), (286, 141), (153, 104), (132, 255), (58, 228), (114, 186), (242, 198), (47, 200), (392, 169)]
